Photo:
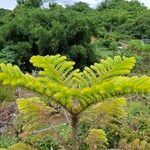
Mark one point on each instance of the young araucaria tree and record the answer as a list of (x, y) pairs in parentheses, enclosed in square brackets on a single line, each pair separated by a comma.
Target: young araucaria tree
[(97, 90)]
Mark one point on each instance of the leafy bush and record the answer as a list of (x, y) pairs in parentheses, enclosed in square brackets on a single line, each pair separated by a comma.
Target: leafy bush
[(110, 41), (47, 144), (35, 31), (137, 45), (82, 55), (7, 56)]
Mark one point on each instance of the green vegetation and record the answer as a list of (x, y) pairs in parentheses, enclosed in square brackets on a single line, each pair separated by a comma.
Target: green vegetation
[(92, 96), (30, 30), (74, 100), (6, 94), (6, 141)]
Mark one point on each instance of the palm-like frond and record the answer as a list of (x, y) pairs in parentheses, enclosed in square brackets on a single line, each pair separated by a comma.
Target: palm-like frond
[(37, 115), (116, 86), (103, 112), (96, 139), (55, 68), (12, 75), (108, 68), (98, 87), (74, 88)]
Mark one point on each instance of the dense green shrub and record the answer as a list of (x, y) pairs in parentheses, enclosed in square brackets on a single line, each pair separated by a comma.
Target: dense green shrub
[(47, 144), (82, 55), (138, 45), (34, 31), (140, 51), (7, 56)]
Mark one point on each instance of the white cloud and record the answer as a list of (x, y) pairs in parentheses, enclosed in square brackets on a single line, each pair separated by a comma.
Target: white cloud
[(145, 2), (8, 4)]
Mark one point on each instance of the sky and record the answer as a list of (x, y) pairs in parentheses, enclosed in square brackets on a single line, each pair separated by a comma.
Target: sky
[(10, 4)]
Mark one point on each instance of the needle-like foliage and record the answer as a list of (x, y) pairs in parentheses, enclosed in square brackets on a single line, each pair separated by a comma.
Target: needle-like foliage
[(97, 88)]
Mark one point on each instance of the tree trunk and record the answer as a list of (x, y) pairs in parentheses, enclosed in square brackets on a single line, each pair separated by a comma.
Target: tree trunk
[(74, 132)]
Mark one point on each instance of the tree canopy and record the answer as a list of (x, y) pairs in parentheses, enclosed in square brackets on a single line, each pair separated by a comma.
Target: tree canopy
[(27, 31)]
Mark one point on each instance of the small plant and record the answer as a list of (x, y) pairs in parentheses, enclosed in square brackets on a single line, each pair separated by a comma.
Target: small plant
[(49, 143), (138, 46), (72, 96)]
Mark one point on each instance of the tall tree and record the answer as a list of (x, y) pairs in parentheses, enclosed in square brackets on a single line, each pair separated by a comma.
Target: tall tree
[(141, 27), (32, 3)]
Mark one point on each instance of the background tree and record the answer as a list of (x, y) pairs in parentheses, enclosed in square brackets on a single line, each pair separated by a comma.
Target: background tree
[(37, 31), (28, 31), (141, 28), (30, 3), (80, 6)]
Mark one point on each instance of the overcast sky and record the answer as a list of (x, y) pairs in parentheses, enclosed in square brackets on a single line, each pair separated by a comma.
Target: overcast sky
[(10, 4)]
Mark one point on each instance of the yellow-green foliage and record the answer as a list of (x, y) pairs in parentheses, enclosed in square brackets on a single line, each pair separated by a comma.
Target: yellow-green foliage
[(134, 145), (104, 111), (20, 146), (96, 139), (58, 81), (96, 90), (36, 114)]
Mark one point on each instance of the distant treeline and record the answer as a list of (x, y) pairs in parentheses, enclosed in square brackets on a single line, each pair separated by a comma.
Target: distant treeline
[(72, 31)]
